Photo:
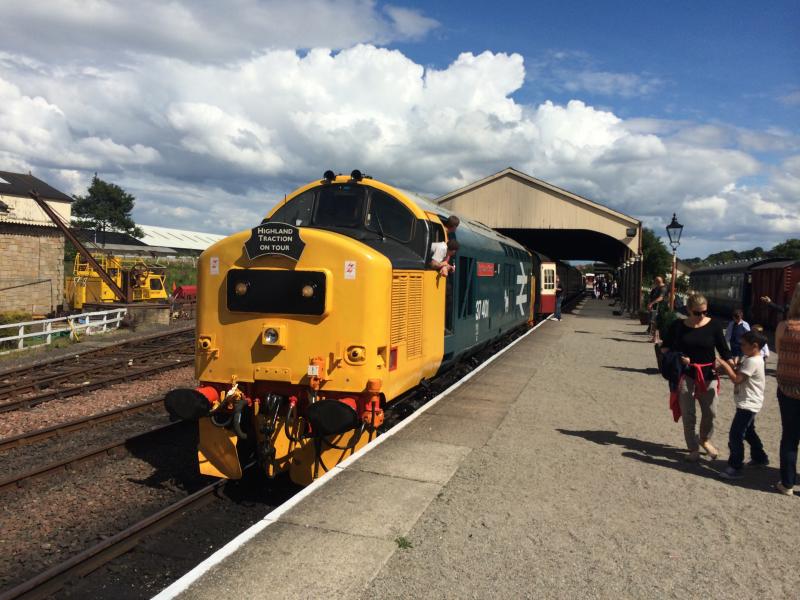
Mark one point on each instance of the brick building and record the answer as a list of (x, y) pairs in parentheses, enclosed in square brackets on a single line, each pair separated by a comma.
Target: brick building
[(31, 246)]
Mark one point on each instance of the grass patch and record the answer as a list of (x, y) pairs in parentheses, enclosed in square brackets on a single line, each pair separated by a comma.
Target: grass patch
[(181, 273), (403, 542)]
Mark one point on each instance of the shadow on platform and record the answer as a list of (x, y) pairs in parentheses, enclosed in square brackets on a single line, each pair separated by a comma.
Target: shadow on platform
[(646, 371), (616, 339), (761, 479)]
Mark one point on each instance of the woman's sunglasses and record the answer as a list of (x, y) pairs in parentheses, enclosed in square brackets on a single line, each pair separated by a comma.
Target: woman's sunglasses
[(699, 313)]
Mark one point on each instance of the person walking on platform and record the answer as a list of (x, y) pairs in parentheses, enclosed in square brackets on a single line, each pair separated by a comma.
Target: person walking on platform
[(697, 337), (749, 380), (787, 344), (657, 295), (559, 298), (733, 334)]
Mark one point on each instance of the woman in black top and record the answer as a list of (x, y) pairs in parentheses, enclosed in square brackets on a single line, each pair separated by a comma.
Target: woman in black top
[(697, 337)]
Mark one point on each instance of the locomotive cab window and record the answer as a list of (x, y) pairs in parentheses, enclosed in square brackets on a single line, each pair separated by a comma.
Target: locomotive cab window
[(340, 206), (388, 216), (296, 211)]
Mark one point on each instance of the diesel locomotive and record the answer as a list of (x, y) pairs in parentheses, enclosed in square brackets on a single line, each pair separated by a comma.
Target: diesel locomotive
[(312, 322)]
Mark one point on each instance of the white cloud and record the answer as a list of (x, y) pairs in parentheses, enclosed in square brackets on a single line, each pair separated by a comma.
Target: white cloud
[(578, 72), (212, 144), (791, 99), (113, 31), (410, 23), (626, 85)]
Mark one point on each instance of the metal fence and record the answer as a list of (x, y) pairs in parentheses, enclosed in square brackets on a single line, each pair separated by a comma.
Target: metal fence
[(49, 329)]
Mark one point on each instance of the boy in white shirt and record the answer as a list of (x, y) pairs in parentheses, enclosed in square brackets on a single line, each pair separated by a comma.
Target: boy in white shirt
[(748, 393)]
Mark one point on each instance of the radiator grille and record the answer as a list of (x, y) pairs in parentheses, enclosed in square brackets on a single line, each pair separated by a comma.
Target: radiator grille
[(414, 320), (399, 308), (407, 313)]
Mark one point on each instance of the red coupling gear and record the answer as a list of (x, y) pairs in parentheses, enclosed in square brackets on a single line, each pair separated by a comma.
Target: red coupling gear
[(211, 394), (373, 413)]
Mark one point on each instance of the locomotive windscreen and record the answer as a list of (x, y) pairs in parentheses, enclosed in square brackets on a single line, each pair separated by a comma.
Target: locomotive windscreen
[(276, 292)]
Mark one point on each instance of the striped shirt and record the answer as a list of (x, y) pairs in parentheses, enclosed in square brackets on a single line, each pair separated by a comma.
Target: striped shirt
[(789, 360)]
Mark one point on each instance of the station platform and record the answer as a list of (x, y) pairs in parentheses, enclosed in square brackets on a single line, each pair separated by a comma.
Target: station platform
[(555, 472)]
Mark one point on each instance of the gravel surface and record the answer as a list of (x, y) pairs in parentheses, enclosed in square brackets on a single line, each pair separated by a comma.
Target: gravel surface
[(583, 491), (15, 461), (54, 412), (162, 558), (57, 517)]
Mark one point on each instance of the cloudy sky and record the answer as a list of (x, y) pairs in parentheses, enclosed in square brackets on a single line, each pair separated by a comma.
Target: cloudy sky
[(210, 112)]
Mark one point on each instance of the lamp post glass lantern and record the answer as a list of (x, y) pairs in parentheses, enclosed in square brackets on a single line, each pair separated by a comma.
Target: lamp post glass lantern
[(674, 230)]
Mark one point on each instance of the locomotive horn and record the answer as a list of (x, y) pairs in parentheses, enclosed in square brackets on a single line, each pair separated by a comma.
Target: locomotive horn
[(329, 176)]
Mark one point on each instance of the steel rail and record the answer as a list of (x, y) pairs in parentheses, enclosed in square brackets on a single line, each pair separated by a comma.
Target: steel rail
[(53, 579), (110, 349), (37, 435), (74, 390), (48, 379), (65, 464)]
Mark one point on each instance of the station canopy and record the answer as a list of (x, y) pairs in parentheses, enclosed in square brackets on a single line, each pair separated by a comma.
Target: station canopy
[(548, 219)]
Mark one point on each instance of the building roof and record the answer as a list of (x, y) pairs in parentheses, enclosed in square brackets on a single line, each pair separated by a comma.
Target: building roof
[(135, 250), (19, 184), (538, 182), (735, 266), (781, 264), (99, 238), (179, 239)]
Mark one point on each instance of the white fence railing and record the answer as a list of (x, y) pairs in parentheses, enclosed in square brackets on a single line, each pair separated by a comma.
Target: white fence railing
[(73, 326)]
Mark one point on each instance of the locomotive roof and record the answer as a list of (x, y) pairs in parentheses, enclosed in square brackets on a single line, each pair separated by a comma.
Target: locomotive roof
[(740, 266)]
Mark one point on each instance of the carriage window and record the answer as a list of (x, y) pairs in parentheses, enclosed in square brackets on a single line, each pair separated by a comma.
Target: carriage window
[(390, 217), (549, 279), (340, 206), (296, 211)]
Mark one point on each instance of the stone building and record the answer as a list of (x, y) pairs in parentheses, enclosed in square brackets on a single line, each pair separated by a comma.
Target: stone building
[(31, 246)]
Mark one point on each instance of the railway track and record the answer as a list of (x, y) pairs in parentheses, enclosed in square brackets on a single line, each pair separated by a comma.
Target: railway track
[(50, 581), (71, 462), (94, 369), (37, 435)]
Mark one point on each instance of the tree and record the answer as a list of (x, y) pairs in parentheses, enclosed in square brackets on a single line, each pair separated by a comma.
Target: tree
[(107, 207), (657, 260), (790, 249)]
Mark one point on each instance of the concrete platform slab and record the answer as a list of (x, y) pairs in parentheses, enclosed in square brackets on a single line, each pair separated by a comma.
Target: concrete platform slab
[(291, 562), (498, 389), (468, 407), (365, 504), (424, 460), (456, 431)]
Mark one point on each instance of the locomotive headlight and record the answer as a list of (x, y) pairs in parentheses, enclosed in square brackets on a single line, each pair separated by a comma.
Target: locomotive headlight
[(240, 289), (307, 291), (271, 336)]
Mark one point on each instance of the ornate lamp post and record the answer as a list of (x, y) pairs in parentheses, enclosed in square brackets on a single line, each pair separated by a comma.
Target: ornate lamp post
[(674, 231)]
